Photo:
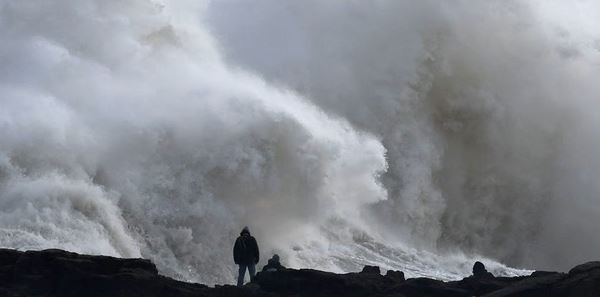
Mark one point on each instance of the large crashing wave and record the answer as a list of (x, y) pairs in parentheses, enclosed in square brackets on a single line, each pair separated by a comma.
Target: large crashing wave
[(488, 111), (380, 128), (123, 133)]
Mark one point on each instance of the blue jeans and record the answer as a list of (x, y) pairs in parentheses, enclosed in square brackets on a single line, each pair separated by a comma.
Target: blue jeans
[(251, 269)]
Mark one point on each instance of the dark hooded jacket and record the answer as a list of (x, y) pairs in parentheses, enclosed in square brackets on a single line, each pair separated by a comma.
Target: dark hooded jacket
[(245, 250)]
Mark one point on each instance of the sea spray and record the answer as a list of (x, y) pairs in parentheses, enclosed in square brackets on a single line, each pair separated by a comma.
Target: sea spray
[(124, 133), (488, 111)]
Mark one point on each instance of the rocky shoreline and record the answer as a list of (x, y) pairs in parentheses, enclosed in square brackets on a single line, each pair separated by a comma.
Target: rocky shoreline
[(61, 273)]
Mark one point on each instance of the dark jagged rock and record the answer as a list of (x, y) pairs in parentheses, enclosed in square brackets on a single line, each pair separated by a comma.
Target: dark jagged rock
[(531, 286), (584, 268), (308, 282), (479, 286), (424, 287), (480, 272), (395, 275), (371, 269), (582, 280), (59, 273)]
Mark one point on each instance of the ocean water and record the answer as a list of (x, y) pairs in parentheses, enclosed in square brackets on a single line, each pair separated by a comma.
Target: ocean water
[(414, 136)]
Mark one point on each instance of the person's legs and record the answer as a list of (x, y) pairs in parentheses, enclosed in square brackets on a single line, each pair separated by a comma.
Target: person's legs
[(252, 270), (241, 274)]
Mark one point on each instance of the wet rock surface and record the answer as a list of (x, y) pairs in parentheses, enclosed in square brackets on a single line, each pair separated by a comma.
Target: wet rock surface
[(61, 273)]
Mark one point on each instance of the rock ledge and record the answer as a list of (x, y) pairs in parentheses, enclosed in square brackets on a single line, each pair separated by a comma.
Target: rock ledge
[(61, 273)]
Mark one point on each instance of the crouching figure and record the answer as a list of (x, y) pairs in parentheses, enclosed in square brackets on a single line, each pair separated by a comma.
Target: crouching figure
[(273, 265)]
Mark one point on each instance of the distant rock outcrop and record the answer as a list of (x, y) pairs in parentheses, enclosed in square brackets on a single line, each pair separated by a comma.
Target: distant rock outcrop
[(65, 274)]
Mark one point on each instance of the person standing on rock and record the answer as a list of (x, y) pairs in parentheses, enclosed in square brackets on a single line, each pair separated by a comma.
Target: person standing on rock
[(246, 255)]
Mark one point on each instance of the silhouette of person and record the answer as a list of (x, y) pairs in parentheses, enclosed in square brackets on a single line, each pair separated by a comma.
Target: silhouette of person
[(246, 255), (273, 265)]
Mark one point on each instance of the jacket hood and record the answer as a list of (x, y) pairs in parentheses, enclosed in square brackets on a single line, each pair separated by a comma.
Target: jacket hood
[(245, 231)]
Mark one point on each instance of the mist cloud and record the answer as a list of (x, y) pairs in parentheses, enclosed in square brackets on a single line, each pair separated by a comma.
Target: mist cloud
[(124, 133), (486, 111)]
